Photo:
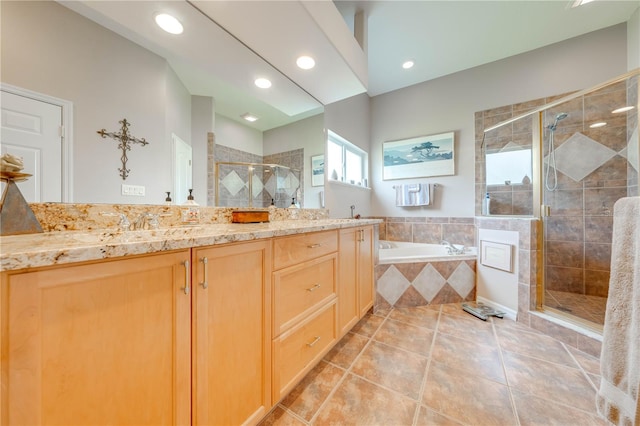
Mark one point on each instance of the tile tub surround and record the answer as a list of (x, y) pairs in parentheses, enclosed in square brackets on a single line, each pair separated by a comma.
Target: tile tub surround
[(438, 365), (56, 248), (403, 285), (429, 230)]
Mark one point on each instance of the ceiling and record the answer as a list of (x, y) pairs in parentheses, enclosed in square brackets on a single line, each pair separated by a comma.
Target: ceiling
[(441, 37), (444, 37)]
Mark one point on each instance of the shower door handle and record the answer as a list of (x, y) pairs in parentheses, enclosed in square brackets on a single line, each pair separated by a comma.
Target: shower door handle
[(545, 210)]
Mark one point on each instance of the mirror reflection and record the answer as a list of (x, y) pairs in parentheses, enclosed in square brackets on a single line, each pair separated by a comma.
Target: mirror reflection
[(91, 78)]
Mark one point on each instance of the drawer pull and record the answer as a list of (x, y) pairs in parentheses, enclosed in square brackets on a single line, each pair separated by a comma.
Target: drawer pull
[(314, 245), (316, 340), (187, 275), (315, 287), (205, 283)]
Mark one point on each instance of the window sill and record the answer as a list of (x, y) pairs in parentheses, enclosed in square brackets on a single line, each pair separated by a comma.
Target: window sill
[(349, 185)]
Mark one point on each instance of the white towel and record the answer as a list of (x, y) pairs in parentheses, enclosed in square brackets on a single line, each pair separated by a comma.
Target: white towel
[(412, 194), (618, 399)]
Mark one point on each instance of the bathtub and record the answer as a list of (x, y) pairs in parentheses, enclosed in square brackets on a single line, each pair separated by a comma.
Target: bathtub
[(413, 274), (403, 252)]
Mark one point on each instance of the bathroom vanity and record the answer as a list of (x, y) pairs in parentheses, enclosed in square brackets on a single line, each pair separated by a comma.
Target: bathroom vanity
[(203, 325)]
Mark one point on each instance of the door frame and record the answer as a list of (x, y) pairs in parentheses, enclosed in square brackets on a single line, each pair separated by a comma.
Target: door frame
[(66, 133)]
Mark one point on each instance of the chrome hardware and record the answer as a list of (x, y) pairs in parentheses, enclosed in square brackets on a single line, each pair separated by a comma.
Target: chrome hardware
[(453, 249), (123, 224), (314, 288), (314, 245), (148, 221), (316, 340), (187, 274), (205, 283)]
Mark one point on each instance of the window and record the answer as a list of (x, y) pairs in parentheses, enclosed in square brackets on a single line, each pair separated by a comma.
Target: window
[(346, 162)]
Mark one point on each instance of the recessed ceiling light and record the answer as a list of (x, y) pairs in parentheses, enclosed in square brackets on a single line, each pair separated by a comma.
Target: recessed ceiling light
[(596, 125), (169, 23), (408, 65), (249, 117), (623, 109), (306, 62), (262, 83)]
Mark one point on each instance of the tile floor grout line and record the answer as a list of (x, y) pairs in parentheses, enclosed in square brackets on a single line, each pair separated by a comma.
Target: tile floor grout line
[(346, 373), (291, 413), (512, 399), (584, 372), (423, 385)]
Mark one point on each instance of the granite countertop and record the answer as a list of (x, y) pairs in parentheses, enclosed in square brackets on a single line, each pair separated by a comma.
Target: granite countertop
[(57, 248)]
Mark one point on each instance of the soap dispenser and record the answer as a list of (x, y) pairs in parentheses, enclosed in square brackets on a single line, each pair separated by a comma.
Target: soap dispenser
[(192, 213), (167, 200)]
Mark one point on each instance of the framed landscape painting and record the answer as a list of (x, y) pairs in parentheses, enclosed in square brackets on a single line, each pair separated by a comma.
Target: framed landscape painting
[(421, 156), (317, 170)]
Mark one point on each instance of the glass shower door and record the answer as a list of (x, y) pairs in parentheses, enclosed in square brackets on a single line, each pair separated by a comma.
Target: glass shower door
[(584, 172)]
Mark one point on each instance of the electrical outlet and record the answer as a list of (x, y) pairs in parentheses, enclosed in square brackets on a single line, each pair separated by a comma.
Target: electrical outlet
[(133, 190)]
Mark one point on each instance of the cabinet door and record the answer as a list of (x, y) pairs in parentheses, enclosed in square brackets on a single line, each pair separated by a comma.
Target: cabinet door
[(348, 311), (101, 343), (365, 270), (231, 323)]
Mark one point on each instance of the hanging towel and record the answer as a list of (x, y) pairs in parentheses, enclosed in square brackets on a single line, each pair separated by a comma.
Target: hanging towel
[(618, 399), (412, 194)]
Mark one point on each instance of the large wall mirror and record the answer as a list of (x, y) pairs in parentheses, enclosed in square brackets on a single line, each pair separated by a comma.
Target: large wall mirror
[(109, 61)]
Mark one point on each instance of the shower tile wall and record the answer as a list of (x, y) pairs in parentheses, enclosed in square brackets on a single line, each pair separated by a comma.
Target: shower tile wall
[(595, 168), (236, 193), (592, 172), (293, 159)]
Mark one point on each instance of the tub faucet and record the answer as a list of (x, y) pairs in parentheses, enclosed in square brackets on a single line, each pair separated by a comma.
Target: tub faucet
[(453, 249)]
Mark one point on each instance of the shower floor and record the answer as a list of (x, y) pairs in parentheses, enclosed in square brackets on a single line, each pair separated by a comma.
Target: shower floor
[(590, 308)]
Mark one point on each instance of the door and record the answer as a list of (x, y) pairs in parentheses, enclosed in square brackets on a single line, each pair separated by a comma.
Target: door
[(182, 169), (32, 129)]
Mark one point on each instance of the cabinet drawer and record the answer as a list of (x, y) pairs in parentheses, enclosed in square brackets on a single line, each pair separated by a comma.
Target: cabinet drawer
[(299, 289), (288, 251), (298, 350)]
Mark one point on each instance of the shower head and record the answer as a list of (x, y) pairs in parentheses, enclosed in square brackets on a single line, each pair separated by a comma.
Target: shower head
[(560, 116)]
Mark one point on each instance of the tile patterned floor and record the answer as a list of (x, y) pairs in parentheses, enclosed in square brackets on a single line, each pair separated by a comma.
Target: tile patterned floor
[(438, 365), (590, 308)]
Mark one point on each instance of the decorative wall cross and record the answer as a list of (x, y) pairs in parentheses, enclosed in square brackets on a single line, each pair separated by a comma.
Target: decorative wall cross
[(124, 140)]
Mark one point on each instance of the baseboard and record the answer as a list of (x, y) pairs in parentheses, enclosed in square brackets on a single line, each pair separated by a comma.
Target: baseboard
[(508, 313)]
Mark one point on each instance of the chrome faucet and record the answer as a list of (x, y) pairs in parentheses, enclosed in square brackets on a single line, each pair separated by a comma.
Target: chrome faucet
[(146, 221), (123, 223), (352, 209), (453, 249)]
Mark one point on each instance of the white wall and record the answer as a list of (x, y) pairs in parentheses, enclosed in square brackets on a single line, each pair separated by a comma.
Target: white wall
[(202, 122), (449, 103), (633, 41), (308, 135), (349, 118), (497, 286), (234, 135), (51, 50)]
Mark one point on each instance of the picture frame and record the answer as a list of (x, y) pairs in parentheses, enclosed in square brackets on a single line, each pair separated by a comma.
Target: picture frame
[(420, 156), (317, 170)]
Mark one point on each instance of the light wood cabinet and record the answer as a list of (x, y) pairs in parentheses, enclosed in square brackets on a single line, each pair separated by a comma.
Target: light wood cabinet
[(98, 343), (355, 276), (304, 305), (232, 334)]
